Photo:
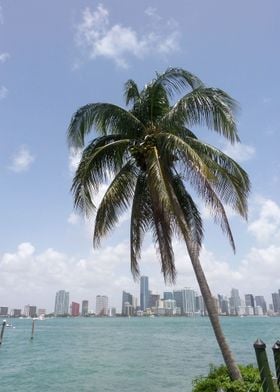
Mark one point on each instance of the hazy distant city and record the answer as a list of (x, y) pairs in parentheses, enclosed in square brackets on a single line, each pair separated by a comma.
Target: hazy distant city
[(183, 302)]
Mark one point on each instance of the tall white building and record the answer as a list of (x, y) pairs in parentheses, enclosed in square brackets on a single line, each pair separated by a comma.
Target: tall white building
[(61, 306), (188, 301), (101, 305)]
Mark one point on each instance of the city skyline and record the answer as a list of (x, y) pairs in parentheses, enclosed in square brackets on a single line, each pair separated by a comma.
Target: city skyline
[(186, 298), (44, 243)]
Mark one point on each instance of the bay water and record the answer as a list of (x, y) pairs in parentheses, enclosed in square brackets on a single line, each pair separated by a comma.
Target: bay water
[(122, 354)]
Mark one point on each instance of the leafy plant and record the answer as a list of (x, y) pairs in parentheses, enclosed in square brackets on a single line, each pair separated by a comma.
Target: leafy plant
[(218, 379)]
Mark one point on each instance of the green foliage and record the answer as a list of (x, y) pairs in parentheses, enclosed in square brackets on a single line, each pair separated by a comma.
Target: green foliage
[(219, 379)]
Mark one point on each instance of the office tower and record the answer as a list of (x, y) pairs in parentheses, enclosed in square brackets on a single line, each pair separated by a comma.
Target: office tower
[(168, 295), (127, 300), (249, 300), (61, 306), (75, 309), (144, 292), (188, 301), (200, 305), (260, 301), (276, 302), (101, 305), (153, 299), (234, 301), (30, 311), (16, 313), (3, 310), (178, 296), (84, 308)]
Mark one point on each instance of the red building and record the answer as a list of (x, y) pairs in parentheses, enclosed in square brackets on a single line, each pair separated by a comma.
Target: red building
[(75, 309)]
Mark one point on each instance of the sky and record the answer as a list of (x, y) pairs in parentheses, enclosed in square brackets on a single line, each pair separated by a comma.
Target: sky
[(56, 57)]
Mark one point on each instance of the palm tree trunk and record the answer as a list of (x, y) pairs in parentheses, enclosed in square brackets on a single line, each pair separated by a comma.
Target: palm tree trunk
[(212, 310)]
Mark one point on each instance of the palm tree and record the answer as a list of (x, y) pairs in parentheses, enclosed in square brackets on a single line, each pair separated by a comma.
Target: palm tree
[(151, 159)]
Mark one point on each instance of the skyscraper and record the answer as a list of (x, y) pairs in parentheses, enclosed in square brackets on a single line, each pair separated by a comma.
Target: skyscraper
[(75, 309), (61, 306), (101, 305), (178, 296), (234, 301), (188, 301), (127, 302), (260, 301), (144, 292), (276, 302), (84, 308), (249, 300)]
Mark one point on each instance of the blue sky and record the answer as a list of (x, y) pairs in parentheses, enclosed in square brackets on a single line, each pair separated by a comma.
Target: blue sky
[(58, 56)]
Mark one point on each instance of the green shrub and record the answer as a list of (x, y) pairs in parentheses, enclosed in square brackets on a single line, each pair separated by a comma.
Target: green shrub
[(218, 379)]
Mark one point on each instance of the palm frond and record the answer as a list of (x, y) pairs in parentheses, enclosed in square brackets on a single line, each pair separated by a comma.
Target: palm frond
[(105, 118), (131, 92), (115, 201), (103, 157), (141, 214), (207, 106), (177, 80)]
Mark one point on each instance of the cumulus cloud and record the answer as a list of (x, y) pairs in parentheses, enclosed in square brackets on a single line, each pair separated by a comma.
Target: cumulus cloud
[(239, 152), (73, 218), (266, 227), (3, 92), (21, 160), (99, 38), (4, 57)]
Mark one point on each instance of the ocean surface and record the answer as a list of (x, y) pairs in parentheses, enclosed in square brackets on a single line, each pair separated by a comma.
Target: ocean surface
[(122, 354)]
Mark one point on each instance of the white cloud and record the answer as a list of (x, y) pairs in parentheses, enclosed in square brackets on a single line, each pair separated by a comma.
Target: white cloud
[(74, 218), (4, 57), (239, 152), (3, 92), (22, 160), (117, 42), (266, 228), (74, 159)]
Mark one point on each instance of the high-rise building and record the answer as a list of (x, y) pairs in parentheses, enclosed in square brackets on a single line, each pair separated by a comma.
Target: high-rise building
[(101, 305), (30, 311), (260, 301), (234, 301), (188, 301), (75, 309), (168, 295), (144, 292), (84, 308), (276, 302), (3, 310), (178, 296), (61, 307), (153, 298), (249, 300), (16, 313), (127, 301)]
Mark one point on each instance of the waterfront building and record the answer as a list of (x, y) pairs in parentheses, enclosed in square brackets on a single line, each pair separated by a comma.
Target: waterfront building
[(30, 311), (258, 310), (240, 310), (144, 292), (188, 301), (249, 311), (234, 301), (61, 307), (75, 309), (153, 298), (249, 300), (178, 296), (169, 307), (42, 312), (200, 305), (260, 301), (101, 305), (16, 312), (85, 308), (112, 312), (3, 310), (127, 300), (276, 302), (168, 295)]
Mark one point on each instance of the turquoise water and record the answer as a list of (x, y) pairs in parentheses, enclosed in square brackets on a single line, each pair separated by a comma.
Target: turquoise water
[(121, 354)]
